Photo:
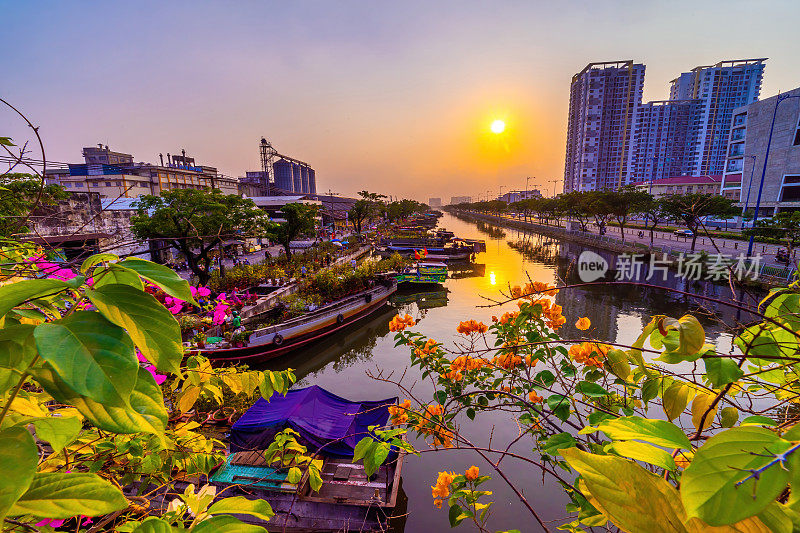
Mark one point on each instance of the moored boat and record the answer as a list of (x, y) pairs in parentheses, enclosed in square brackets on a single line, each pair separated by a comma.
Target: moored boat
[(273, 341), (329, 427), (427, 272)]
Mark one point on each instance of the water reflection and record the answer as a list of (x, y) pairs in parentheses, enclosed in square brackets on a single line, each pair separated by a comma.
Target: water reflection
[(617, 314)]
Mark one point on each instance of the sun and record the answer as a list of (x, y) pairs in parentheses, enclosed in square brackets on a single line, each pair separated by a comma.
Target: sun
[(498, 126)]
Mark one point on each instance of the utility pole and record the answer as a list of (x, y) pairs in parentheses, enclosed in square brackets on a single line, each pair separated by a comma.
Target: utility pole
[(554, 186)]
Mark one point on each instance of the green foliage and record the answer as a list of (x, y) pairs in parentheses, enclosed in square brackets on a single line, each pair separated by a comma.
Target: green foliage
[(194, 223), (300, 219), (22, 195), (80, 417)]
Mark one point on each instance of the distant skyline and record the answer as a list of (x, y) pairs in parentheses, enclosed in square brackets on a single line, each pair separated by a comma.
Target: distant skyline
[(394, 98)]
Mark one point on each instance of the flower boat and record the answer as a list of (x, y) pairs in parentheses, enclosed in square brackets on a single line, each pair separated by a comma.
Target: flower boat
[(273, 341), (329, 427), (423, 273)]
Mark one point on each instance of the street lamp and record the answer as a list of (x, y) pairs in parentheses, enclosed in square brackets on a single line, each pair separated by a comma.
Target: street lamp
[(781, 98), (749, 184)]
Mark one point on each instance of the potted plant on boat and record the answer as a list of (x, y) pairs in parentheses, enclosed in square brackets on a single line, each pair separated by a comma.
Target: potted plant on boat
[(199, 339), (239, 339)]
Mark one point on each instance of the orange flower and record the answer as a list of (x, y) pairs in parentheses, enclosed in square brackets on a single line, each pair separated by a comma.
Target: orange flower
[(508, 317), (399, 323), (534, 397), (437, 503), (494, 318), (472, 473), (506, 361), (584, 353), (426, 349), (538, 287), (530, 360), (454, 375), (583, 323), (469, 327), (442, 487), (516, 291), (399, 413)]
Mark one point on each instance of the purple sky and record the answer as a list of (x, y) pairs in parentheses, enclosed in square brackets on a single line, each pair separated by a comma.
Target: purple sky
[(390, 97)]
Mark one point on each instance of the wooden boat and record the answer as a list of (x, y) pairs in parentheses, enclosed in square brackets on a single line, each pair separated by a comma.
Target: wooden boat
[(273, 341), (423, 273), (348, 500)]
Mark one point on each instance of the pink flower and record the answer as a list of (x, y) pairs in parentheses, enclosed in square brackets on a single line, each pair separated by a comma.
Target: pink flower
[(64, 274), (160, 378), (52, 522), (200, 291), (175, 309), (140, 357)]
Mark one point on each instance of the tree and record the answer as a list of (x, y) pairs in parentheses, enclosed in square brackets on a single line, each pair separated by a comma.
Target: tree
[(785, 226), (692, 209), (194, 222), (20, 197), (654, 213), (300, 220), (598, 204), (575, 205), (625, 202), (364, 209)]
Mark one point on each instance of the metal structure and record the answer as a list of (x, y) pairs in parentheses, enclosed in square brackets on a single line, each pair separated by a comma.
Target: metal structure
[(306, 178)]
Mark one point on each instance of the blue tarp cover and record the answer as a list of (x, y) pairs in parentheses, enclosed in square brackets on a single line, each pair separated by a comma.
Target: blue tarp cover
[(326, 422)]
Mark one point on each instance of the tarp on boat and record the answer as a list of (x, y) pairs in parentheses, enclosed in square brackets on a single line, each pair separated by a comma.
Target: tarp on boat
[(327, 423)]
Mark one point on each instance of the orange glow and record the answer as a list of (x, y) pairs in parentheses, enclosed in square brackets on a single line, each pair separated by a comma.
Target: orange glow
[(498, 126)]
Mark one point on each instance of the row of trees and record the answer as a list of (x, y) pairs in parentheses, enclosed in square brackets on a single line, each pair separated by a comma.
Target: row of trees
[(373, 206), (604, 207)]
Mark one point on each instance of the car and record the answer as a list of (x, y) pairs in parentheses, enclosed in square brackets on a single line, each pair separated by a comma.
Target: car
[(684, 233)]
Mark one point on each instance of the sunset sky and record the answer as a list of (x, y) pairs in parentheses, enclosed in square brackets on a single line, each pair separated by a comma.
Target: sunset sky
[(391, 97)]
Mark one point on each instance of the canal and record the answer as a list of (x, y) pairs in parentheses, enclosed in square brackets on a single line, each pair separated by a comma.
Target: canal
[(617, 313)]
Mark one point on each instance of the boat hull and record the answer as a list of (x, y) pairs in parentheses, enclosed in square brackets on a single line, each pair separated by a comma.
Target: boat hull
[(259, 352)]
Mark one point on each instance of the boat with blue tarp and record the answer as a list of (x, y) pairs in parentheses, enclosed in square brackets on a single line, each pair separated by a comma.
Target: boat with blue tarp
[(329, 426)]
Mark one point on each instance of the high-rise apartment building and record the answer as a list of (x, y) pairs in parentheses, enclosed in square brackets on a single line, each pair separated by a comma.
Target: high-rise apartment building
[(686, 135), (663, 132), (719, 89), (603, 100)]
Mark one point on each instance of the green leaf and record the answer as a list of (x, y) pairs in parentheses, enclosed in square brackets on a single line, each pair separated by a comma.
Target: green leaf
[(721, 371), (167, 279), (558, 442), (701, 404), (97, 258), (690, 336), (115, 274), (455, 515), (593, 390), (643, 452), (294, 476), (658, 432), (618, 362), (94, 357), (758, 420), (14, 294), (241, 505), (314, 479), (150, 325), (17, 351), (58, 495), (362, 448), (634, 499), (58, 431), (18, 460), (728, 416), (440, 396), (675, 400), (226, 524), (709, 487), (154, 525), (374, 460), (146, 412)]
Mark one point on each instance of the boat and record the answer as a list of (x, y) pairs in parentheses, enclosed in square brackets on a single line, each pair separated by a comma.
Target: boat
[(427, 272), (455, 250), (276, 340), (329, 426), (424, 300)]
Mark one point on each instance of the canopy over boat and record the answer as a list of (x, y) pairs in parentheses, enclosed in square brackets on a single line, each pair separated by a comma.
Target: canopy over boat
[(327, 423)]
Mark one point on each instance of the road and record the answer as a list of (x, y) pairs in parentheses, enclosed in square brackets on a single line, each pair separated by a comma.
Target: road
[(664, 239)]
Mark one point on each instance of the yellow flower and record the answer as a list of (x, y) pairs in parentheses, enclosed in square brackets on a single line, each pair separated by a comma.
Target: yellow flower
[(472, 473), (583, 323)]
